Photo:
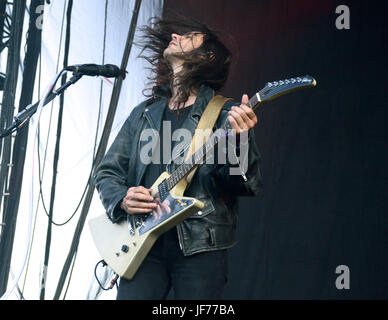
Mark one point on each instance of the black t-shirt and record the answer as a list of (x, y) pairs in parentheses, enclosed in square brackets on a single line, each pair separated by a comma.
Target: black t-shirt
[(175, 120)]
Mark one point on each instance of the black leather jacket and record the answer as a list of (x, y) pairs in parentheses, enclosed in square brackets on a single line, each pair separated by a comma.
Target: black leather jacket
[(214, 227)]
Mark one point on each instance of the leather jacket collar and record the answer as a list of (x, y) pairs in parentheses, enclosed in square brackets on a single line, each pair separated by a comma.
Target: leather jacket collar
[(156, 110)]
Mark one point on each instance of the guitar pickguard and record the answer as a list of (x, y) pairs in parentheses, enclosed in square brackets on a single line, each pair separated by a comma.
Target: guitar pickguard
[(148, 221)]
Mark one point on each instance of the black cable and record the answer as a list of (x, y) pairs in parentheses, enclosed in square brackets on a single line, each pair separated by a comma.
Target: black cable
[(37, 207), (56, 152), (95, 275), (100, 151), (94, 147), (52, 103), (74, 212), (71, 274), (95, 141)]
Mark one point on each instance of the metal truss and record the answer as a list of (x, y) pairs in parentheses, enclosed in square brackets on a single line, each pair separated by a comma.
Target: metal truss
[(6, 8)]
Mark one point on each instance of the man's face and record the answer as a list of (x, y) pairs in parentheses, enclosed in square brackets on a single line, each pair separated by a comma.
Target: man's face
[(181, 44)]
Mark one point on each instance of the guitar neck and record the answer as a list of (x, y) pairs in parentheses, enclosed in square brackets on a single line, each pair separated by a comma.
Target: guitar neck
[(196, 158), (270, 91)]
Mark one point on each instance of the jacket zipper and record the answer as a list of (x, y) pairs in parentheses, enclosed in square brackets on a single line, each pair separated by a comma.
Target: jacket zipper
[(145, 113), (151, 123)]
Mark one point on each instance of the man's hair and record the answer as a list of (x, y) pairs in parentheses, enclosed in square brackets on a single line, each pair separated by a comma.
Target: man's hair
[(209, 64)]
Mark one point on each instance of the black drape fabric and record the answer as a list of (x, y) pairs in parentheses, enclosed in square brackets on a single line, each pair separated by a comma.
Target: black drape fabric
[(324, 149)]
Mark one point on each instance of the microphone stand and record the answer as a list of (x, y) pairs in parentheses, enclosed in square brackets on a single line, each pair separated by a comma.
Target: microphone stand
[(23, 116)]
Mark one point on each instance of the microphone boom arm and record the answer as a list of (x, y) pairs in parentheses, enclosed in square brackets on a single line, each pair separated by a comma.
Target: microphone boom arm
[(23, 116)]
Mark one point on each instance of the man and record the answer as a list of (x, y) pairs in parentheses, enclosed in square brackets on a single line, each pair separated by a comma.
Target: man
[(189, 64)]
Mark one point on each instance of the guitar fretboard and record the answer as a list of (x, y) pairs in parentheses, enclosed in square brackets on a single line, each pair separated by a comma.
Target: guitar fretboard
[(197, 157)]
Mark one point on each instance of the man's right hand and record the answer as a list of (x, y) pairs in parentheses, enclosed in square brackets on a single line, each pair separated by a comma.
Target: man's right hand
[(138, 200)]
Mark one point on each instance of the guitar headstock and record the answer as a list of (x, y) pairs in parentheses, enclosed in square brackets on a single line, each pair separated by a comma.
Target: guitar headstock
[(275, 89)]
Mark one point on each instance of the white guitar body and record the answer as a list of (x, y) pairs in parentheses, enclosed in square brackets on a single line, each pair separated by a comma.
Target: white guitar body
[(124, 245)]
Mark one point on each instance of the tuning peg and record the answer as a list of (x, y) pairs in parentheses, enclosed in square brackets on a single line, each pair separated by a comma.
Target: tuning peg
[(298, 79), (293, 80), (275, 83), (269, 84), (287, 81), (281, 82)]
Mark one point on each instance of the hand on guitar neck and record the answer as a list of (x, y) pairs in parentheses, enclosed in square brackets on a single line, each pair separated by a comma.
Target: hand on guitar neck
[(242, 118), (140, 200)]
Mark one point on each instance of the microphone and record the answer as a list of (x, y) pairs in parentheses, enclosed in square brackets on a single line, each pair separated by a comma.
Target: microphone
[(106, 70)]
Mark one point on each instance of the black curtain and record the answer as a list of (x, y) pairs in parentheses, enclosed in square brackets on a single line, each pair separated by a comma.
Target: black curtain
[(323, 150)]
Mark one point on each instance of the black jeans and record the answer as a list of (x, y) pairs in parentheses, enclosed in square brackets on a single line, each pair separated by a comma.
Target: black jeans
[(197, 277)]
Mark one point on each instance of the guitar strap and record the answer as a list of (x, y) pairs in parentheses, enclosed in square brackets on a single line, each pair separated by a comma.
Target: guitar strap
[(203, 132)]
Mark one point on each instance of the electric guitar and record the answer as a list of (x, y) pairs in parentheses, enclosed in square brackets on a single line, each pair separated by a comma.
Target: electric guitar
[(124, 245)]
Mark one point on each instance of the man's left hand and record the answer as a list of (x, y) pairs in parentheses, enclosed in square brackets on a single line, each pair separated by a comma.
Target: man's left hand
[(242, 118)]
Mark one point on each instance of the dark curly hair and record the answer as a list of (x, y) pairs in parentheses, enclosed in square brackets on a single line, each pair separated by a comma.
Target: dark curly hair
[(209, 64)]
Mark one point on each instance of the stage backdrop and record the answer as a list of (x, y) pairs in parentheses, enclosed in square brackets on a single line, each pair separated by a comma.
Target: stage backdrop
[(323, 150)]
